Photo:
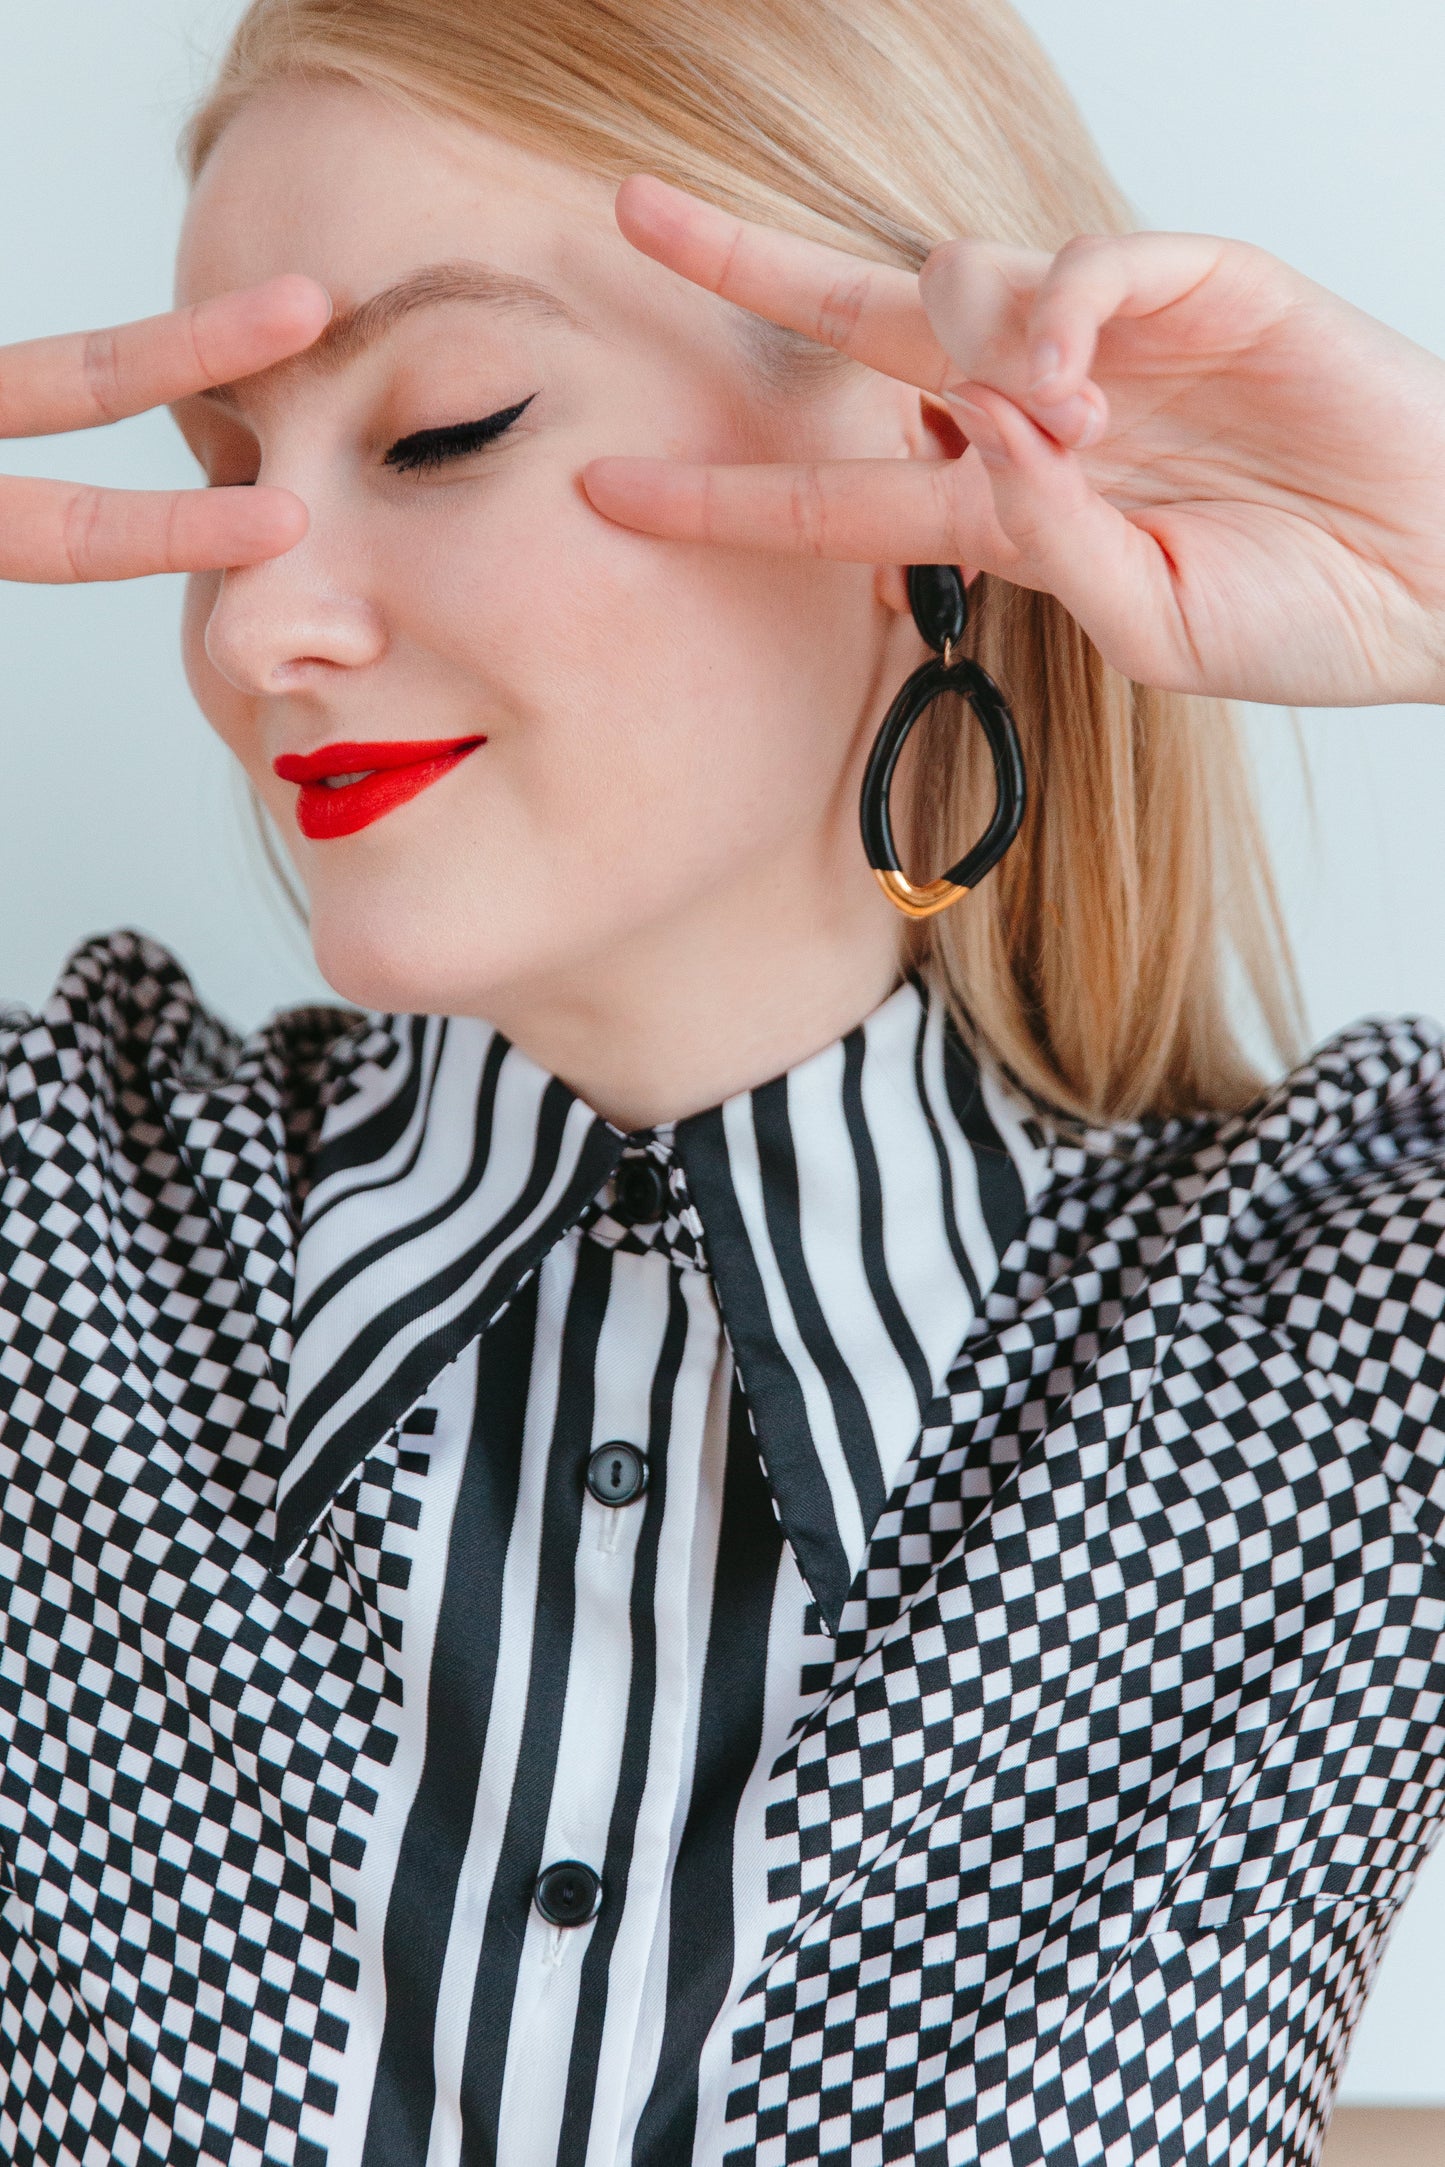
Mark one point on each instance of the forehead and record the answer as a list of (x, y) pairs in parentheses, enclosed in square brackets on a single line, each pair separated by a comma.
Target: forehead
[(364, 194)]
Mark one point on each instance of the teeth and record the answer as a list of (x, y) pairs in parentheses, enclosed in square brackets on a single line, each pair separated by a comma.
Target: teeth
[(339, 782)]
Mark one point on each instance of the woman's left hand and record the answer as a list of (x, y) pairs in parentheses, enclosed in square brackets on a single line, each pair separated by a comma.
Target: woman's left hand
[(1233, 479)]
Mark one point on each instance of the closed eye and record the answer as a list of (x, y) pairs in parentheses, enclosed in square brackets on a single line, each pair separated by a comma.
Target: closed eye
[(435, 447)]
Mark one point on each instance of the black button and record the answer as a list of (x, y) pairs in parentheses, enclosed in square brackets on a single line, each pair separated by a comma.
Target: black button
[(616, 1473), (568, 1894), (641, 1189)]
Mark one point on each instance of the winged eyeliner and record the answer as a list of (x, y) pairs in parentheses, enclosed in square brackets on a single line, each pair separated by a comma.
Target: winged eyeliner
[(434, 447)]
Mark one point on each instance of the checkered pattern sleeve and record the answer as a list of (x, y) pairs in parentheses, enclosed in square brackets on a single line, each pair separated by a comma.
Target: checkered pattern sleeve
[(1344, 1255), (13, 1021), (77, 1066), (123, 1012)]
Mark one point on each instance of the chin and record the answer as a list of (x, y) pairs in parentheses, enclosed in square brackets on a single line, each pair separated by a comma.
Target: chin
[(418, 962), (398, 970)]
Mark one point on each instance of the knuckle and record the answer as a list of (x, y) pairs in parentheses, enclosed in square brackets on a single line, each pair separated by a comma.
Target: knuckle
[(732, 256), (1026, 533), (100, 367), (192, 329), (806, 515), (955, 265), (79, 529), (948, 516), (1086, 248), (953, 254), (1080, 263), (840, 310), (172, 557)]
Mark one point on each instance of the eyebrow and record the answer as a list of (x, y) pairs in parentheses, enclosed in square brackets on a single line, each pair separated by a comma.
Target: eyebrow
[(350, 333)]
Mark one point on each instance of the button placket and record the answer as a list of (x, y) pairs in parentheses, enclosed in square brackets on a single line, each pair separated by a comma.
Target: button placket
[(608, 1463), (554, 1951), (587, 1757)]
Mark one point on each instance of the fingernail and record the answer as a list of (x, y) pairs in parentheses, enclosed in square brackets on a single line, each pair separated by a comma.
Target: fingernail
[(1075, 422), (1092, 430), (1046, 361)]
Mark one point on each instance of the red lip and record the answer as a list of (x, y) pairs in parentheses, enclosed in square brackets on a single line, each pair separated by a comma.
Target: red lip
[(391, 773)]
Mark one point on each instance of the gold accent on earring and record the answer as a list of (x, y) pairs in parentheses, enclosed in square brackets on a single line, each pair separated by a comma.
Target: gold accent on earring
[(924, 902)]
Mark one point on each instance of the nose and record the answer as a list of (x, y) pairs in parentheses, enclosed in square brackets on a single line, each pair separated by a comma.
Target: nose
[(276, 626)]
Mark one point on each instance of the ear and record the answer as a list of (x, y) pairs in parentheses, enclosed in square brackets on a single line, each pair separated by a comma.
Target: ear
[(890, 584), (942, 427), (934, 435)]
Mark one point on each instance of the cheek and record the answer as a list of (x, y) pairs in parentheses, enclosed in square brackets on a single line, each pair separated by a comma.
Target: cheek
[(645, 682), (664, 721)]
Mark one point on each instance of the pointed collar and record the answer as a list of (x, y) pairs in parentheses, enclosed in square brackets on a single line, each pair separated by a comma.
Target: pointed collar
[(856, 1209), (449, 1170), (852, 1213)]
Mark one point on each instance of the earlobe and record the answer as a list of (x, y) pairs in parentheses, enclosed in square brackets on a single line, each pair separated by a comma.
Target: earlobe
[(890, 584), (935, 426)]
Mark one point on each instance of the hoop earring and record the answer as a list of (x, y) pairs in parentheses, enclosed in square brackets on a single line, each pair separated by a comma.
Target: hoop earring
[(939, 601)]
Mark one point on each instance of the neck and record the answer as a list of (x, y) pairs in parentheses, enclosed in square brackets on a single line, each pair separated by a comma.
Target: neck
[(685, 1015)]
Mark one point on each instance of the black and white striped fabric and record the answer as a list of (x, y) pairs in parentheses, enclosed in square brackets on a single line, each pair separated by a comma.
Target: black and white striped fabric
[(1001, 1727), (586, 1681)]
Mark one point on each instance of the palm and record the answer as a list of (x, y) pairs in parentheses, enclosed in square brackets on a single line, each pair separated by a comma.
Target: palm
[(1257, 517), (1287, 503)]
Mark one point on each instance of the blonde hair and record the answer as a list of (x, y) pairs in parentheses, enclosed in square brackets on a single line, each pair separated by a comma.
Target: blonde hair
[(1095, 963)]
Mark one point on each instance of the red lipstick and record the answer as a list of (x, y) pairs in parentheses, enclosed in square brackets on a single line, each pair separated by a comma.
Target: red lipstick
[(346, 787)]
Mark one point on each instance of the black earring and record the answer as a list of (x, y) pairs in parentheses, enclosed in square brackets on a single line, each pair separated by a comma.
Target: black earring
[(939, 601)]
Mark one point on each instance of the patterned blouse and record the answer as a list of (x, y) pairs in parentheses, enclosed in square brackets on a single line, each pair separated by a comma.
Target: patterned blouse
[(855, 1626)]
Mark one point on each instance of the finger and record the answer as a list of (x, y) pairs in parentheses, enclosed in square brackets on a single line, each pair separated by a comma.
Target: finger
[(1095, 278), (869, 311), (86, 378), (1069, 541), (977, 296), (874, 313), (860, 511), (58, 533)]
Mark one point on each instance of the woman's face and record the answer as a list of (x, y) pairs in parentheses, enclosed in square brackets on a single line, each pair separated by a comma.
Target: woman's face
[(657, 745)]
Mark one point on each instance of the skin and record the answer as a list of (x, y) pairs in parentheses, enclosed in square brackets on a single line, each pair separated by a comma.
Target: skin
[(676, 604), (1227, 474), (649, 876)]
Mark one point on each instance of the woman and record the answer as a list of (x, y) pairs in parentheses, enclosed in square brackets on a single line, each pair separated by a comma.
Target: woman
[(730, 1524)]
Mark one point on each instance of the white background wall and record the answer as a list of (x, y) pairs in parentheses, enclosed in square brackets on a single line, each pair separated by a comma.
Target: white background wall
[(1309, 126)]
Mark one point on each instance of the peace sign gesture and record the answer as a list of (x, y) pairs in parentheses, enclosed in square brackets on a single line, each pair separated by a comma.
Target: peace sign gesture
[(1231, 478), (60, 532)]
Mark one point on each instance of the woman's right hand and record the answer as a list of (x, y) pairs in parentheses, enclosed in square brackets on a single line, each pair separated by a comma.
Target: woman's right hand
[(55, 533)]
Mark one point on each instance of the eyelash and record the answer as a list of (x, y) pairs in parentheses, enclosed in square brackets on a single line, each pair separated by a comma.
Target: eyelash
[(431, 448)]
